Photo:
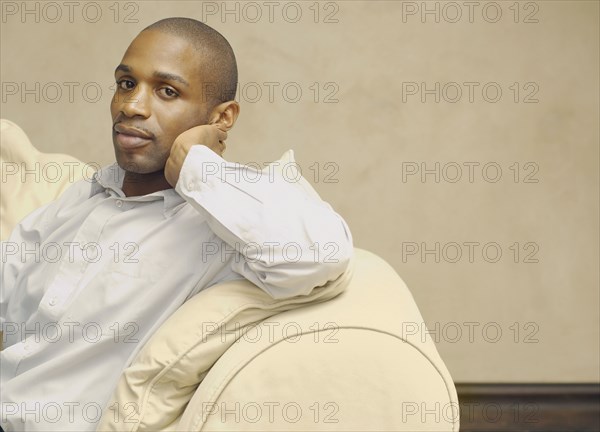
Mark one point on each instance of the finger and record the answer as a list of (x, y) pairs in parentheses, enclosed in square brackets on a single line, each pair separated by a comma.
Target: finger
[(219, 126), (221, 135), (222, 148)]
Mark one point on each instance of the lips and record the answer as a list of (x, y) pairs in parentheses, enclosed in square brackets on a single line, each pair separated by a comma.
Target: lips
[(130, 137)]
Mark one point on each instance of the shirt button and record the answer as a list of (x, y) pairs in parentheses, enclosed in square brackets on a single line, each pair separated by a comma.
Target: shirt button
[(190, 185), (119, 203), (27, 348), (52, 301)]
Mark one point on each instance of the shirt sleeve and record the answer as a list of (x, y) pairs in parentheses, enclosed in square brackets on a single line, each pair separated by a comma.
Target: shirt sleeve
[(290, 239)]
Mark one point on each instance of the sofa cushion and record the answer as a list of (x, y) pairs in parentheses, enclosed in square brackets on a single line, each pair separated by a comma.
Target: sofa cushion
[(154, 391)]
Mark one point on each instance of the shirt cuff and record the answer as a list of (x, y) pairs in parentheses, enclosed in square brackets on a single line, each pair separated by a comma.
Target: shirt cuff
[(201, 167)]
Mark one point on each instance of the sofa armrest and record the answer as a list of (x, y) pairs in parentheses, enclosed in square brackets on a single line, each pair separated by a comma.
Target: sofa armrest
[(346, 364), (350, 379)]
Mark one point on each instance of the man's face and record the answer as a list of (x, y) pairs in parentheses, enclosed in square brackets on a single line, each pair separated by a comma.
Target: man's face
[(158, 96)]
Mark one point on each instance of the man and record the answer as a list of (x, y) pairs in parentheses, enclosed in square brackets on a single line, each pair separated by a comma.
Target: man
[(169, 219)]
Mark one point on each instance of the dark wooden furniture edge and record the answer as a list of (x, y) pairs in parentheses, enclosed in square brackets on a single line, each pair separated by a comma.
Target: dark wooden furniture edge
[(529, 407)]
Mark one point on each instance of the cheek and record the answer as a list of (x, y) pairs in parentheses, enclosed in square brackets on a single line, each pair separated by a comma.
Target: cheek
[(179, 125), (174, 120), (114, 110)]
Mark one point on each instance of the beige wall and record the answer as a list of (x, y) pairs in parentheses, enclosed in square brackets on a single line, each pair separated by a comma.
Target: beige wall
[(377, 132)]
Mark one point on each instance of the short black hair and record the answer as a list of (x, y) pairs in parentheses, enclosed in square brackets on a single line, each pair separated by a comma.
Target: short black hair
[(221, 75)]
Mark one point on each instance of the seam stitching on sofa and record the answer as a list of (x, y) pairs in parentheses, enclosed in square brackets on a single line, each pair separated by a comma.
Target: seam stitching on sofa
[(236, 369)]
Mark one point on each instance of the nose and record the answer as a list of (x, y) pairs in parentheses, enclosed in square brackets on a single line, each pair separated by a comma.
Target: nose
[(135, 103)]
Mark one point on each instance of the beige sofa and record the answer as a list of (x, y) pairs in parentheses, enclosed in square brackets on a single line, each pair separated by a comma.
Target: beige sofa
[(346, 357)]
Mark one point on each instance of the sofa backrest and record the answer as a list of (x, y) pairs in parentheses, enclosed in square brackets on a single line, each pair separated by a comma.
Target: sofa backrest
[(29, 177)]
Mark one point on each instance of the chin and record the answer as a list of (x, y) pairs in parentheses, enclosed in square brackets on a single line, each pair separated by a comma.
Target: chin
[(139, 165)]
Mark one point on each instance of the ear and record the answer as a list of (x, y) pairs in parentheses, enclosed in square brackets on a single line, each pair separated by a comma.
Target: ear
[(225, 115)]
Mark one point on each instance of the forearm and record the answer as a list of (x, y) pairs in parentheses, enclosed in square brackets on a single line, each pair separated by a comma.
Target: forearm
[(291, 240)]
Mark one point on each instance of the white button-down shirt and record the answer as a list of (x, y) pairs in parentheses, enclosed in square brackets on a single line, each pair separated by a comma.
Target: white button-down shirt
[(87, 279)]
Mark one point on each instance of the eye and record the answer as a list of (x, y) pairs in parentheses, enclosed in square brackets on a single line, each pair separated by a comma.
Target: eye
[(169, 92), (125, 84)]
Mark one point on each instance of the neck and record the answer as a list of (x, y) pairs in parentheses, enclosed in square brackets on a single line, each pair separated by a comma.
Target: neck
[(135, 184)]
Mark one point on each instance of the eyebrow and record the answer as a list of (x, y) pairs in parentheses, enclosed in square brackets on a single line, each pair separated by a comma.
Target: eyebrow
[(167, 76)]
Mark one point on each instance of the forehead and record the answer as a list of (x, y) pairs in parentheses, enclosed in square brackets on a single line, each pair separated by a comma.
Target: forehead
[(153, 51)]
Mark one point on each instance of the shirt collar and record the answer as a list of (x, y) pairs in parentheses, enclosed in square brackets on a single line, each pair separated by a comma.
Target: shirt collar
[(109, 179)]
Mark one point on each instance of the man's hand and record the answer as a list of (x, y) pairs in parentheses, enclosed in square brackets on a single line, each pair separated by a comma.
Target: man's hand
[(209, 135)]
